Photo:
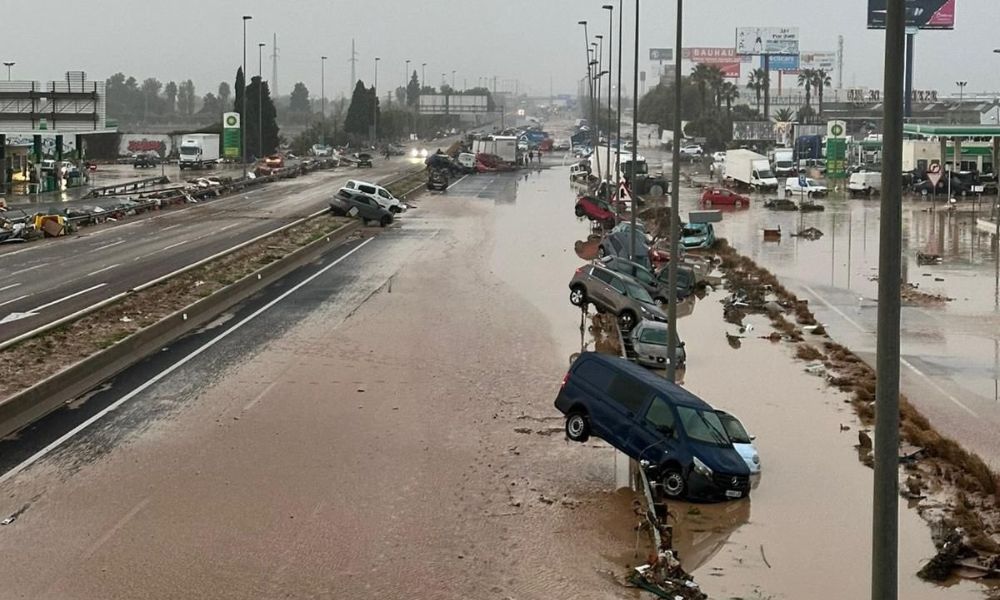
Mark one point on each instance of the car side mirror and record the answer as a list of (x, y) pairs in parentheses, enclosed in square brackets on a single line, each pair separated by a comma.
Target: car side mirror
[(753, 437)]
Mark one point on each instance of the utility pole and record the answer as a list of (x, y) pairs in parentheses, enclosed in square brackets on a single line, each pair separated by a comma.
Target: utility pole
[(243, 93), (375, 106), (675, 218), (618, 134), (354, 61), (635, 140), (322, 88), (274, 65), (611, 55), (840, 62), (885, 518), (260, 98)]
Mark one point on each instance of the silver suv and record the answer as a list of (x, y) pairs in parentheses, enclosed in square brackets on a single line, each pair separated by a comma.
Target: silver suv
[(614, 293)]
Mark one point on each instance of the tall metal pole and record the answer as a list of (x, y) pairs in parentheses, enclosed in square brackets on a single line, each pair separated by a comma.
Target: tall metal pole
[(423, 75), (243, 112), (908, 88), (675, 188), (611, 54), (8, 65), (635, 132), (406, 74), (260, 97), (618, 134), (322, 87), (885, 523), (590, 77), (375, 105), (597, 103), (595, 126)]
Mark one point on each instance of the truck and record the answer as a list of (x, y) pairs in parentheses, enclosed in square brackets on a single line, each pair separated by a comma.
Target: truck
[(783, 162), (199, 151), (641, 182), (750, 170)]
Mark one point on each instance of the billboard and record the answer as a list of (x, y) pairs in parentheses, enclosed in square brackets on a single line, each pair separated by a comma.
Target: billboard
[(231, 135), (923, 14), (747, 131), (784, 62), (661, 54), (822, 60), (767, 40), (725, 59), (447, 104)]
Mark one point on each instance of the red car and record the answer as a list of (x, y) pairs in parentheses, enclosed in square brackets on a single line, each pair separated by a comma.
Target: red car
[(595, 209), (723, 197)]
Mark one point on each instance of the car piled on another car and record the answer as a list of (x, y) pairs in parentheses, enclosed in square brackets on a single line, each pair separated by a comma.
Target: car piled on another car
[(614, 293), (353, 203)]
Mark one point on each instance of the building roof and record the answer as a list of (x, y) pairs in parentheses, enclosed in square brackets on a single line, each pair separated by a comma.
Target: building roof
[(952, 130)]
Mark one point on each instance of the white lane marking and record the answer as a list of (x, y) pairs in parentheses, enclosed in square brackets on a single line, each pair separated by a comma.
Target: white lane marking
[(172, 246), (902, 360), (34, 267), (230, 226), (106, 246), (15, 299), (937, 387), (102, 270), (114, 529), (170, 227), (65, 298), (259, 396), (7, 287), (162, 374)]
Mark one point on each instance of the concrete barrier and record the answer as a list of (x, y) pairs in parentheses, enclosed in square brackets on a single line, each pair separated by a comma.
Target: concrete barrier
[(26, 407)]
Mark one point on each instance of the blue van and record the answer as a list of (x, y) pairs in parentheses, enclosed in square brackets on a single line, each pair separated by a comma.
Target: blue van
[(651, 419)]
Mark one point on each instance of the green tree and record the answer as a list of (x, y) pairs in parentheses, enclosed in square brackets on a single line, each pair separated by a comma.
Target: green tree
[(729, 92), (170, 91), (210, 105), (186, 97), (361, 113), (224, 95), (701, 76), (240, 88), (298, 101), (413, 90), (806, 78), (260, 110), (821, 80), (758, 82), (783, 115)]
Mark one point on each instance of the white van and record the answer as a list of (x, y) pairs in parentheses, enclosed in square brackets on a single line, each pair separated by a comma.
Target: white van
[(467, 160), (381, 195), (864, 184)]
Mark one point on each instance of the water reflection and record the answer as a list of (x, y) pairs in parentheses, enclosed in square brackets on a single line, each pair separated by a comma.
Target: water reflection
[(701, 530)]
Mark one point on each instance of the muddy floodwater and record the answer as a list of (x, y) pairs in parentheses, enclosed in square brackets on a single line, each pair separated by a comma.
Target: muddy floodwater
[(806, 530)]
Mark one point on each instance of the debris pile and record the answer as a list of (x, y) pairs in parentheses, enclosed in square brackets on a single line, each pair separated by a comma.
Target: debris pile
[(663, 577)]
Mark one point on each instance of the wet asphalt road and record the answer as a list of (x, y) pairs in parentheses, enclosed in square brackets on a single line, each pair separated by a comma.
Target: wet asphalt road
[(377, 424), (46, 280)]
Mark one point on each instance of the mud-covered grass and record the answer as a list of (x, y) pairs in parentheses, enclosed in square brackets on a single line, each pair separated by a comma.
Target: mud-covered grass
[(962, 480), (54, 350)]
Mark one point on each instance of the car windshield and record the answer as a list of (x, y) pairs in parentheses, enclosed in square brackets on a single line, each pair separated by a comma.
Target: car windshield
[(765, 174), (656, 336), (637, 292), (734, 429), (703, 426)]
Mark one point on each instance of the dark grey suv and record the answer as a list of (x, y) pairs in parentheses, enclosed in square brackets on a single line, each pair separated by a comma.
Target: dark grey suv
[(353, 203), (615, 293)]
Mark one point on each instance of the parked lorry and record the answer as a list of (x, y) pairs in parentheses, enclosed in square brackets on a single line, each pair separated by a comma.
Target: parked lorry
[(641, 181), (199, 151), (783, 162), (749, 169)]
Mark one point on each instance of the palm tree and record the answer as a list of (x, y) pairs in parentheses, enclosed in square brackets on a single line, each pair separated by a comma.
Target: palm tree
[(701, 76), (758, 81), (821, 79), (729, 92), (783, 115), (806, 80)]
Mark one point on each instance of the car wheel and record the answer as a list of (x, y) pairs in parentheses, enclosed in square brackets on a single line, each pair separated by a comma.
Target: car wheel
[(579, 210), (626, 320), (738, 204), (577, 427), (385, 221), (673, 483), (395, 209), (788, 193), (924, 192), (660, 300), (601, 252), (578, 296), (656, 190)]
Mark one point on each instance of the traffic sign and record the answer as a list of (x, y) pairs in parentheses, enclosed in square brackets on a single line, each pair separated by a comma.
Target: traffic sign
[(934, 174)]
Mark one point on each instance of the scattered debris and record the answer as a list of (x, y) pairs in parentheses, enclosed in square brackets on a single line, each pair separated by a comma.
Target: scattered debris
[(664, 577), (809, 233), (771, 235), (929, 259)]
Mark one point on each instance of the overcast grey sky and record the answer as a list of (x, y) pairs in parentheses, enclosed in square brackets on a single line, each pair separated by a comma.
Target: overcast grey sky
[(531, 40)]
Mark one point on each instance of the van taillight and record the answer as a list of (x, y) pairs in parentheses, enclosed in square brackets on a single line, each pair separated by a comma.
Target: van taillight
[(565, 379)]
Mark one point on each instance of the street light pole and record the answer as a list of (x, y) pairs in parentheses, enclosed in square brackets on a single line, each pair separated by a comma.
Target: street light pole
[(406, 74), (597, 92), (375, 106), (590, 80), (961, 97), (635, 139), (322, 104), (611, 54), (675, 186), (260, 98), (453, 80), (8, 65), (618, 134), (885, 518), (423, 75), (243, 110)]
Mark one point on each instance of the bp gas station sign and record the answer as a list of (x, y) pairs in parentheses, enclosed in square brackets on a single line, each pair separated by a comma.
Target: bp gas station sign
[(231, 135), (836, 150)]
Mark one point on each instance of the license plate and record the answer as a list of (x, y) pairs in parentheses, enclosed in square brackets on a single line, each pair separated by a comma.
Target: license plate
[(734, 494)]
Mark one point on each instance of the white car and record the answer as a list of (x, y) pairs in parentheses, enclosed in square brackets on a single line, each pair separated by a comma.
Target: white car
[(804, 186), (692, 151), (381, 195), (719, 157), (742, 441)]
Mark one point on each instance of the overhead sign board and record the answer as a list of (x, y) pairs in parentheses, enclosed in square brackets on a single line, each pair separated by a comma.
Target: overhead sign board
[(725, 59), (922, 14), (754, 131), (661, 54), (823, 61), (767, 40)]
